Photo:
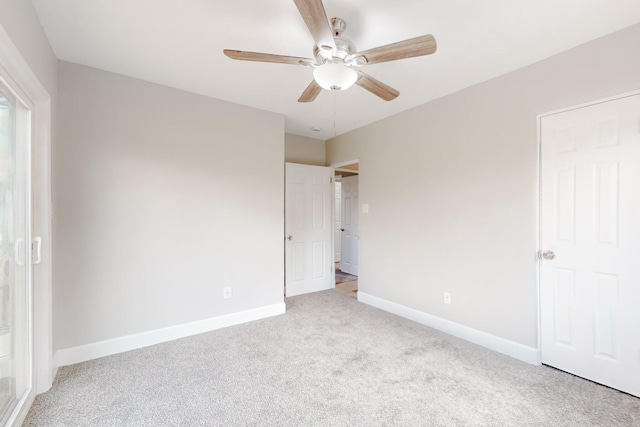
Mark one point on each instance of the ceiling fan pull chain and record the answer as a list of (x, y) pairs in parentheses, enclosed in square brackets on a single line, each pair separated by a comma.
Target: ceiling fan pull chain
[(335, 108)]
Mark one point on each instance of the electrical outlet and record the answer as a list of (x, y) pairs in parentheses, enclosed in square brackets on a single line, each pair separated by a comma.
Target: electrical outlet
[(447, 298), (226, 292)]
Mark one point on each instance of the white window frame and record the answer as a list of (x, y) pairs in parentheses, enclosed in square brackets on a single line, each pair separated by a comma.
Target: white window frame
[(17, 74)]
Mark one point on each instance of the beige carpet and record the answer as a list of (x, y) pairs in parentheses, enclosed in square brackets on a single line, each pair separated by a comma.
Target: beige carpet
[(329, 361)]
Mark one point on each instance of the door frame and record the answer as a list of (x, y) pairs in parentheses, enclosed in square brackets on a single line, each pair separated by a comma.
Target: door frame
[(333, 167), (17, 74), (539, 248)]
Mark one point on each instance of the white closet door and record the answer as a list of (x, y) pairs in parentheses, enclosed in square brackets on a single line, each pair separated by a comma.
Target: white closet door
[(590, 233)]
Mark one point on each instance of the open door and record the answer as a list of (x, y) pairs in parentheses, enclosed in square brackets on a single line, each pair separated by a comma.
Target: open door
[(337, 219), (350, 233), (308, 229)]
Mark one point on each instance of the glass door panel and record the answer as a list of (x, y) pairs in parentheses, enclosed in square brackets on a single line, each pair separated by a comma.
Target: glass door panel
[(15, 253)]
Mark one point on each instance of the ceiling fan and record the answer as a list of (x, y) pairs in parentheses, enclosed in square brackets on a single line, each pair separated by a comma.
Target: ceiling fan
[(337, 63)]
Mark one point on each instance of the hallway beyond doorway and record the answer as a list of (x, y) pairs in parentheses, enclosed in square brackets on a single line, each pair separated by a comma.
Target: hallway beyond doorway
[(346, 283)]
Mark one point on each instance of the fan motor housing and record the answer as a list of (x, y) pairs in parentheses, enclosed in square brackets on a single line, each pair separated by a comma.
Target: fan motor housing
[(344, 47)]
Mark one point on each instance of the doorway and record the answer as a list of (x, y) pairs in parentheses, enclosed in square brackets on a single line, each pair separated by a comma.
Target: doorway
[(346, 228)]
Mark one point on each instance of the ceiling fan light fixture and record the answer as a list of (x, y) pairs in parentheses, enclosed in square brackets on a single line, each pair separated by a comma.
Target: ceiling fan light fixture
[(335, 76)]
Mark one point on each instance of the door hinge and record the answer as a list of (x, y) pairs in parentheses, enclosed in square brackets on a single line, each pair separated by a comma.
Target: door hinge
[(330, 180)]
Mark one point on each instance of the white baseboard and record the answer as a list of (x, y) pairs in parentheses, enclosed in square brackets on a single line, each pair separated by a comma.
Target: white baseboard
[(69, 356), (519, 351)]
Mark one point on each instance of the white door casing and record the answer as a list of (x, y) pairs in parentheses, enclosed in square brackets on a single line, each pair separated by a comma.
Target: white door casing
[(308, 229), (337, 222), (17, 74), (16, 298), (350, 239), (590, 221)]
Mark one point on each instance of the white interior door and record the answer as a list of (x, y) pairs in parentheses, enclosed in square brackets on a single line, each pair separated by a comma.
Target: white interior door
[(337, 221), (16, 379), (590, 221), (350, 237), (308, 228)]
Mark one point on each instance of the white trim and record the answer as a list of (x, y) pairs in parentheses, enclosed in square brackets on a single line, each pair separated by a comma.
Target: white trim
[(519, 351), (341, 164), (590, 103), (345, 170), (21, 411), (82, 353), (16, 71), (538, 205)]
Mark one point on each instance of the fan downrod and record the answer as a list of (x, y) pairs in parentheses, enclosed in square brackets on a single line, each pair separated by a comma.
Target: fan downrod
[(338, 26)]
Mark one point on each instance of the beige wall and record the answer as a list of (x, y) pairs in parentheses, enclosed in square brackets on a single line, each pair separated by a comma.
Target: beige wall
[(162, 199), (451, 188), (308, 151)]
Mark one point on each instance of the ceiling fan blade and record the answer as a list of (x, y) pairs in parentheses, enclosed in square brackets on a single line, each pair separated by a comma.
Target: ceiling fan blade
[(418, 46), (266, 57), (376, 87), (312, 11), (310, 93)]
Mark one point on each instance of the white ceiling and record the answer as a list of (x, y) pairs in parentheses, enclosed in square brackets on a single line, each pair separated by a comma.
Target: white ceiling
[(179, 44)]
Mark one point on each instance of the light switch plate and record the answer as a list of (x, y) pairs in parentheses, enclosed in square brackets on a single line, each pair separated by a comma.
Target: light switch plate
[(365, 208)]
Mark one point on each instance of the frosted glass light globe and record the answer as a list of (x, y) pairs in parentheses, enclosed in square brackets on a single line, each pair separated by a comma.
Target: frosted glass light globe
[(335, 76)]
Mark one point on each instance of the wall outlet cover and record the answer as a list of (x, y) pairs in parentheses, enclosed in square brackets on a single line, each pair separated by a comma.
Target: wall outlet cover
[(447, 298)]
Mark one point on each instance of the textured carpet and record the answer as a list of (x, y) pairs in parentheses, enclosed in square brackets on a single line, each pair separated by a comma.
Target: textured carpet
[(342, 277), (329, 361)]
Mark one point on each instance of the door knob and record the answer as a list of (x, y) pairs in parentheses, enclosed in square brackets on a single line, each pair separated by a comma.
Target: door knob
[(342, 229), (548, 255), (289, 237)]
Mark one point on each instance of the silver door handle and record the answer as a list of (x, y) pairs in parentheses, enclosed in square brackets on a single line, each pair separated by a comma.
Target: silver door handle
[(548, 255), (289, 237), (36, 250), (18, 247)]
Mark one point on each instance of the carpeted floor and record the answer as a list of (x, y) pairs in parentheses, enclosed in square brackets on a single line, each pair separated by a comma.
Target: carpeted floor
[(329, 361)]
